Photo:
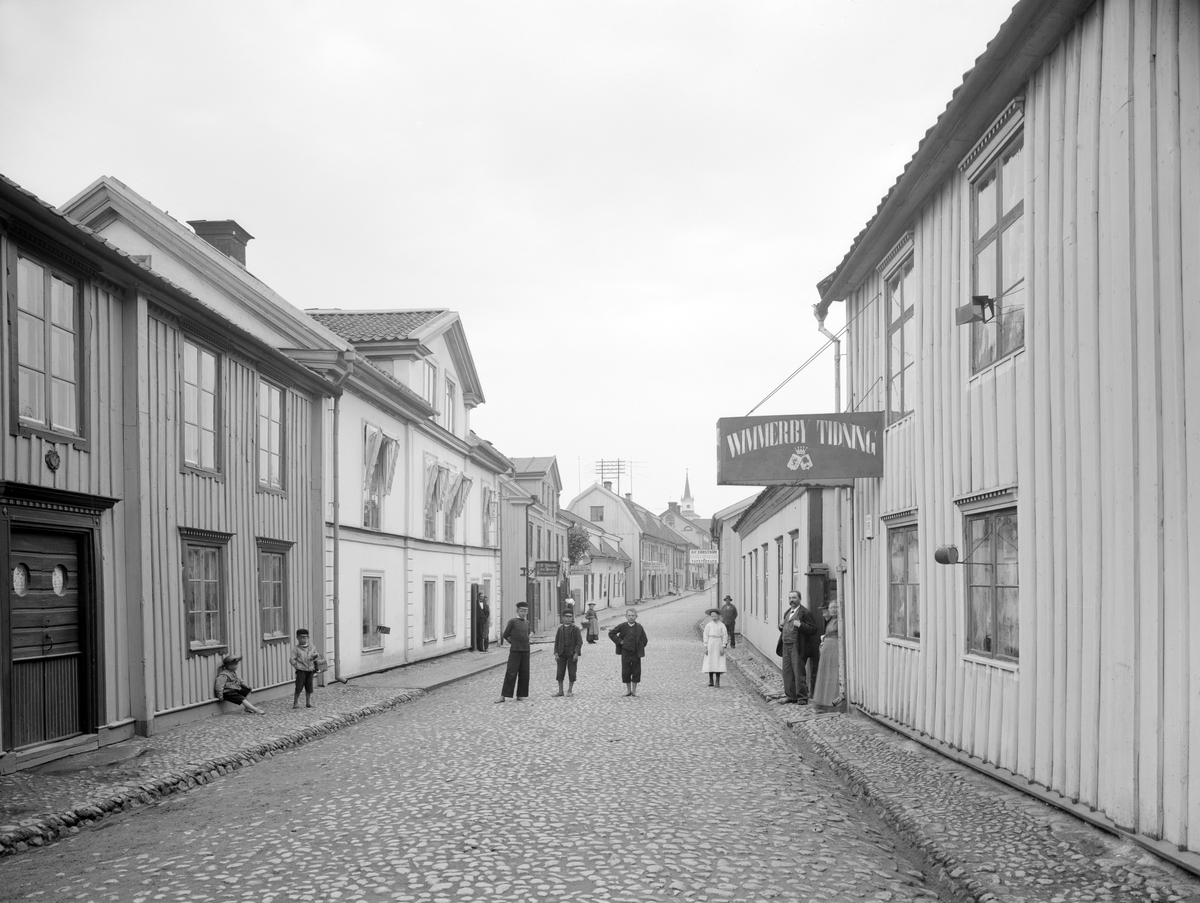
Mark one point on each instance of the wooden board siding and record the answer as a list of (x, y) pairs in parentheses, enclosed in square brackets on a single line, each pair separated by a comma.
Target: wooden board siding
[(229, 505), (1096, 423)]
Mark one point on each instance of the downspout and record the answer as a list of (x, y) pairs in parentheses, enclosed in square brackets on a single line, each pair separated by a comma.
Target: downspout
[(337, 528), (843, 587)]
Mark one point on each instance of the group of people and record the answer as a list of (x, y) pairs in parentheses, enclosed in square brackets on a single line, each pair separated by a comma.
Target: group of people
[(629, 638), (306, 661), (805, 675)]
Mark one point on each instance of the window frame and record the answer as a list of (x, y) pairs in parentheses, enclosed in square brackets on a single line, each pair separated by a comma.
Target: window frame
[(18, 426), (449, 612), (971, 561), (274, 547), (429, 384), (593, 518), (429, 610), (375, 577), (897, 528), (218, 543), (450, 393), (264, 484), (993, 164), (905, 267), (217, 471)]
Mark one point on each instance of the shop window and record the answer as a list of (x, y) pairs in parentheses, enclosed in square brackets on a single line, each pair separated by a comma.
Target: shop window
[(904, 586), (372, 609), (992, 585)]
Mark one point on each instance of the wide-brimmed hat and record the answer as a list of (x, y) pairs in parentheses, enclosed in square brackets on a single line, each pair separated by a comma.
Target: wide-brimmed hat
[(230, 660), (728, 599), (712, 611)]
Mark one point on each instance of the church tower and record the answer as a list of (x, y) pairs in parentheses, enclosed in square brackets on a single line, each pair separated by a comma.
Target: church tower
[(687, 508)]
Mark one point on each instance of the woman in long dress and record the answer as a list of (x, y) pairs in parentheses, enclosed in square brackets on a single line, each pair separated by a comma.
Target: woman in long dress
[(827, 691), (593, 623), (716, 638)]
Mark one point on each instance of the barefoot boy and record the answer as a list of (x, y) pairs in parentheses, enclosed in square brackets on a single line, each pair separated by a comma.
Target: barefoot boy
[(568, 643)]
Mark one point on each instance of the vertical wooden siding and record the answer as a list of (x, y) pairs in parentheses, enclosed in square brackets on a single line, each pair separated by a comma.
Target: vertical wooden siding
[(1093, 422), (230, 505)]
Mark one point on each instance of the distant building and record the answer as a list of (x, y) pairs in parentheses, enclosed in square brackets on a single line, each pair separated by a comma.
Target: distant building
[(536, 570), (682, 518), (600, 575)]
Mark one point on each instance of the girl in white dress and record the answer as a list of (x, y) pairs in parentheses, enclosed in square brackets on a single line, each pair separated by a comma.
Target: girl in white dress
[(716, 638)]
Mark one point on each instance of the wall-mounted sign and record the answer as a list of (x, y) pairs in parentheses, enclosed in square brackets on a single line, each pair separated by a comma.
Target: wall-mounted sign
[(702, 556), (545, 568), (825, 449), (575, 570), (654, 565)]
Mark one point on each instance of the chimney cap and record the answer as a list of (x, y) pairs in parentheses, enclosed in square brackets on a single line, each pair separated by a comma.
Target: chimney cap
[(232, 228), (608, 485)]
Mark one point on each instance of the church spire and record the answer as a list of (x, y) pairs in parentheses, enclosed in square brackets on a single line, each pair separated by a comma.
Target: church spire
[(687, 493)]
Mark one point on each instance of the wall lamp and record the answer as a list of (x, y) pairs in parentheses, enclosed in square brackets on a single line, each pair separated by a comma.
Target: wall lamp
[(982, 309)]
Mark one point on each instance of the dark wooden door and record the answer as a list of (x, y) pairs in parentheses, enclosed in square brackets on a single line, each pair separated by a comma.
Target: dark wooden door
[(46, 638)]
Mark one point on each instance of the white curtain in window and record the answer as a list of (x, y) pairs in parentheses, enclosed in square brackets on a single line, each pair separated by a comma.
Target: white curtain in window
[(460, 496), (392, 451), (443, 493), (374, 438), (432, 473)]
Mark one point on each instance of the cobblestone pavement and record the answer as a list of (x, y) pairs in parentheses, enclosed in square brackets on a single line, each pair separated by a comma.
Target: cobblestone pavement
[(995, 842), (681, 793)]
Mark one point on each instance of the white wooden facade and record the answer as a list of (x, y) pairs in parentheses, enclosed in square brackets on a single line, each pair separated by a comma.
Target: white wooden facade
[(1083, 435)]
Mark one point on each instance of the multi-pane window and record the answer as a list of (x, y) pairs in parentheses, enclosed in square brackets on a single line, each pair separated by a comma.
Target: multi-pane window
[(203, 594), (998, 254), (48, 348), (199, 406), (489, 516), (538, 533), (270, 435), (380, 454), (992, 587), (437, 492), (372, 605), (451, 402), (449, 610), (766, 578), (272, 594), (902, 339), (430, 611), (429, 388), (904, 584), (779, 576), (795, 560)]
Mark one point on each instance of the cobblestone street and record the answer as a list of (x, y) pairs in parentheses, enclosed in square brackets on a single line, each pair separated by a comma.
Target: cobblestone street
[(684, 792)]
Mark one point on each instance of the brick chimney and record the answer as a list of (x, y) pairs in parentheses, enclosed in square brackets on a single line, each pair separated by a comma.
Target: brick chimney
[(608, 485), (673, 507), (629, 496), (225, 235)]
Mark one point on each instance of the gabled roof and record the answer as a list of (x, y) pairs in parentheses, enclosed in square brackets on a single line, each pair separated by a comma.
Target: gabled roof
[(375, 325), (1031, 31), (733, 512), (769, 501), (407, 333), (538, 467)]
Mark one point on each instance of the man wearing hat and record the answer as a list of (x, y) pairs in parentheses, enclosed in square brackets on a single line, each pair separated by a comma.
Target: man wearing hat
[(516, 674), (231, 688), (729, 618)]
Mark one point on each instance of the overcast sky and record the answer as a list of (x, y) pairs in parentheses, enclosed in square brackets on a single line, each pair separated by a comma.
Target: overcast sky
[(629, 202)]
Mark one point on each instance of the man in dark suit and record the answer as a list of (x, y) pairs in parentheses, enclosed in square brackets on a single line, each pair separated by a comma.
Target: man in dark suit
[(483, 614), (729, 615), (630, 638), (801, 640)]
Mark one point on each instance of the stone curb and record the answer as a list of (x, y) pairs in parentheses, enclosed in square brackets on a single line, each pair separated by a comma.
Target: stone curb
[(17, 839), (941, 861)]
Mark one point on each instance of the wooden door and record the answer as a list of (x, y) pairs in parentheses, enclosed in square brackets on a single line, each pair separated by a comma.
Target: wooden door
[(46, 638)]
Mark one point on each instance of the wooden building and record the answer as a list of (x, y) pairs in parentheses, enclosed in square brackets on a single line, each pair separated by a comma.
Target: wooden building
[(1055, 205)]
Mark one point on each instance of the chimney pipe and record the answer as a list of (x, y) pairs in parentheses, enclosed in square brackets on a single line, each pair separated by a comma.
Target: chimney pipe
[(225, 235), (629, 496), (608, 485)]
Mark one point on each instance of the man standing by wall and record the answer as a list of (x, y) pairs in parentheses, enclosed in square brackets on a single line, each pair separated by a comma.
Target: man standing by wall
[(729, 615), (483, 614), (801, 646)]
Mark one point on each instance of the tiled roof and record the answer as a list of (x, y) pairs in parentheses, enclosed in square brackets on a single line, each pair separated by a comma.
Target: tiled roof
[(375, 325), (533, 465)]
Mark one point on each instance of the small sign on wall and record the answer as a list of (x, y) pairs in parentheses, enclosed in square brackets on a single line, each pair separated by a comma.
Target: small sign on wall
[(869, 527)]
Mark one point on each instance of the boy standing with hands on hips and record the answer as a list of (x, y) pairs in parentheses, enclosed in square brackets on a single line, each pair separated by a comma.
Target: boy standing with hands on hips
[(630, 638), (306, 661)]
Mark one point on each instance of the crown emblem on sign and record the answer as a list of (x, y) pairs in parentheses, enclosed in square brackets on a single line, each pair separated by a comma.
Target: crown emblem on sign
[(800, 459)]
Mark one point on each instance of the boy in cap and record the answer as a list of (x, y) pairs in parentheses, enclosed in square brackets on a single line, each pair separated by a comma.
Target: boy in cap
[(516, 631), (231, 688), (568, 644), (306, 661), (630, 638)]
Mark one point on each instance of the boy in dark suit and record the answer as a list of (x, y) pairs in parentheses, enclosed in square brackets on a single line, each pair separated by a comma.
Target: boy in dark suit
[(631, 641), (568, 644), (517, 672)]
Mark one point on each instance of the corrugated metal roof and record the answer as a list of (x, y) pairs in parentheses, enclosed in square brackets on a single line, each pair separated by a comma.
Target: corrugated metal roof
[(375, 325)]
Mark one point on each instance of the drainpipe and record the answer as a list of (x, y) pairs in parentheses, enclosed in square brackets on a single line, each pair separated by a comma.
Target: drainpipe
[(337, 529), (843, 583)]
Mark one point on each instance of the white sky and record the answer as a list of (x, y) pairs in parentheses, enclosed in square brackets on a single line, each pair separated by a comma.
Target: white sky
[(630, 202)]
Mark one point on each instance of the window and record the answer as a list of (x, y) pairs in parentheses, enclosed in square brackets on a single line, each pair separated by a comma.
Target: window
[(489, 516), (430, 611), (429, 389), (204, 588), (437, 492), (795, 535), (451, 399), (992, 597), (380, 454), (272, 588), (270, 435), (449, 610), (902, 342), (47, 354), (597, 515), (448, 535), (904, 584), (998, 255), (372, 601), (779, 576), (199, 407), (539, 542), (766, 578)]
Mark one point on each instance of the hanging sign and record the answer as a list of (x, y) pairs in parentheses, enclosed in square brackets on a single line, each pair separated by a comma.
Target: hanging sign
[(825, 449), (545, 568), (702, 556)]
